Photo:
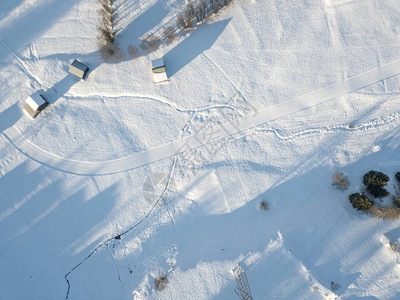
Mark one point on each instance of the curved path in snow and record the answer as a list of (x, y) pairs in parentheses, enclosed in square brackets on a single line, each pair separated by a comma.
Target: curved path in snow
[(202, 138)]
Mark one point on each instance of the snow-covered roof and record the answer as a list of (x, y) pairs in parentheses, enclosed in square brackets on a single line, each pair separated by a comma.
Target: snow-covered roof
[(35, 101), (157, 63)]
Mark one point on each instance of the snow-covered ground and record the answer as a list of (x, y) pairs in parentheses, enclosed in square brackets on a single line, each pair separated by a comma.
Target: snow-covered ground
[(121, 180)]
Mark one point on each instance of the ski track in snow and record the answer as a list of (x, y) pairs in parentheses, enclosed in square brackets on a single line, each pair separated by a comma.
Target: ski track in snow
[(199, 139), (22, 63), (162, 101), (373, 124)]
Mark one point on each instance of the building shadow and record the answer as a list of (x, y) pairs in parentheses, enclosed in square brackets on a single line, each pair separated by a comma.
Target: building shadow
[(9, 117), (91, 60), (60, 88), (197, 42)]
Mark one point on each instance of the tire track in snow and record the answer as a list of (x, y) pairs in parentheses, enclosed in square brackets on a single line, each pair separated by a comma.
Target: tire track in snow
[(197, 140)]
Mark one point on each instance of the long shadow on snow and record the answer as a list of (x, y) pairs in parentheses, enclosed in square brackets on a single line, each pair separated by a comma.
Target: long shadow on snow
[(196, 43), (144, 22), (40, 18), (51, 226), (7, 7), (9, 117)]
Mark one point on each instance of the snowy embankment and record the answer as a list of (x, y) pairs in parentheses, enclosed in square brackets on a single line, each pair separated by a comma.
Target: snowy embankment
[(194, 216)]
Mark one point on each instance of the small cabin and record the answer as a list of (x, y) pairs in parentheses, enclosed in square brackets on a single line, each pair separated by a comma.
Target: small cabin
[(159, 70), (34, 104), (78, 69)]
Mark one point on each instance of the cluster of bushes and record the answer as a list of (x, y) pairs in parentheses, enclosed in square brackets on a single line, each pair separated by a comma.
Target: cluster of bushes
[(151, 42), (375, 182), (198, 12)]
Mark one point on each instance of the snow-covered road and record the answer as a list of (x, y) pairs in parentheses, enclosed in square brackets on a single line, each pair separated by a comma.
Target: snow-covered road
[(205, 137)]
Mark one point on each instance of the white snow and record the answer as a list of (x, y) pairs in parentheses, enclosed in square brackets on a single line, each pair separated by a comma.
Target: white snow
[(265, 101)]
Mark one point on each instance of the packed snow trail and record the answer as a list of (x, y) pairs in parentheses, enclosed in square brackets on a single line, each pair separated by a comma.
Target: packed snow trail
[(205, 137)]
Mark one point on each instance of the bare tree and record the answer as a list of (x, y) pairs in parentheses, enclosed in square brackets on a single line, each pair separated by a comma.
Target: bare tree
[(106, 36), (169, 34), (215, 6), (190, 10), (341, 181), (150, 43), (183, 22), (201, 10)]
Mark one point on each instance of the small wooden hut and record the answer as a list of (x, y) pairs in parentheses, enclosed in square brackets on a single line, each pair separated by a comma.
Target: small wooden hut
[(34, 104), (78, 69), (159, 70)]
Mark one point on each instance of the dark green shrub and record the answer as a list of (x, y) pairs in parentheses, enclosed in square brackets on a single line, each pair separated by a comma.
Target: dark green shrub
[(377, 191), (360, 202), (375, 178)]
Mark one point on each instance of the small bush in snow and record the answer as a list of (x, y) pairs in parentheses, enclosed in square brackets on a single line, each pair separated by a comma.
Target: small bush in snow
[(264, 205), (395, 246), (133, 51), (111, 53), (183, 22), (169, 34), (334, 286), (160, 282), (360, 202), (340, 181), (385, 213), (396, 201), (150, 43)]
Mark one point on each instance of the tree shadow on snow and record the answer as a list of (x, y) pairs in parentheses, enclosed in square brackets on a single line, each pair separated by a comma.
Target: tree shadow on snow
[(142, 23), (196, 43)]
